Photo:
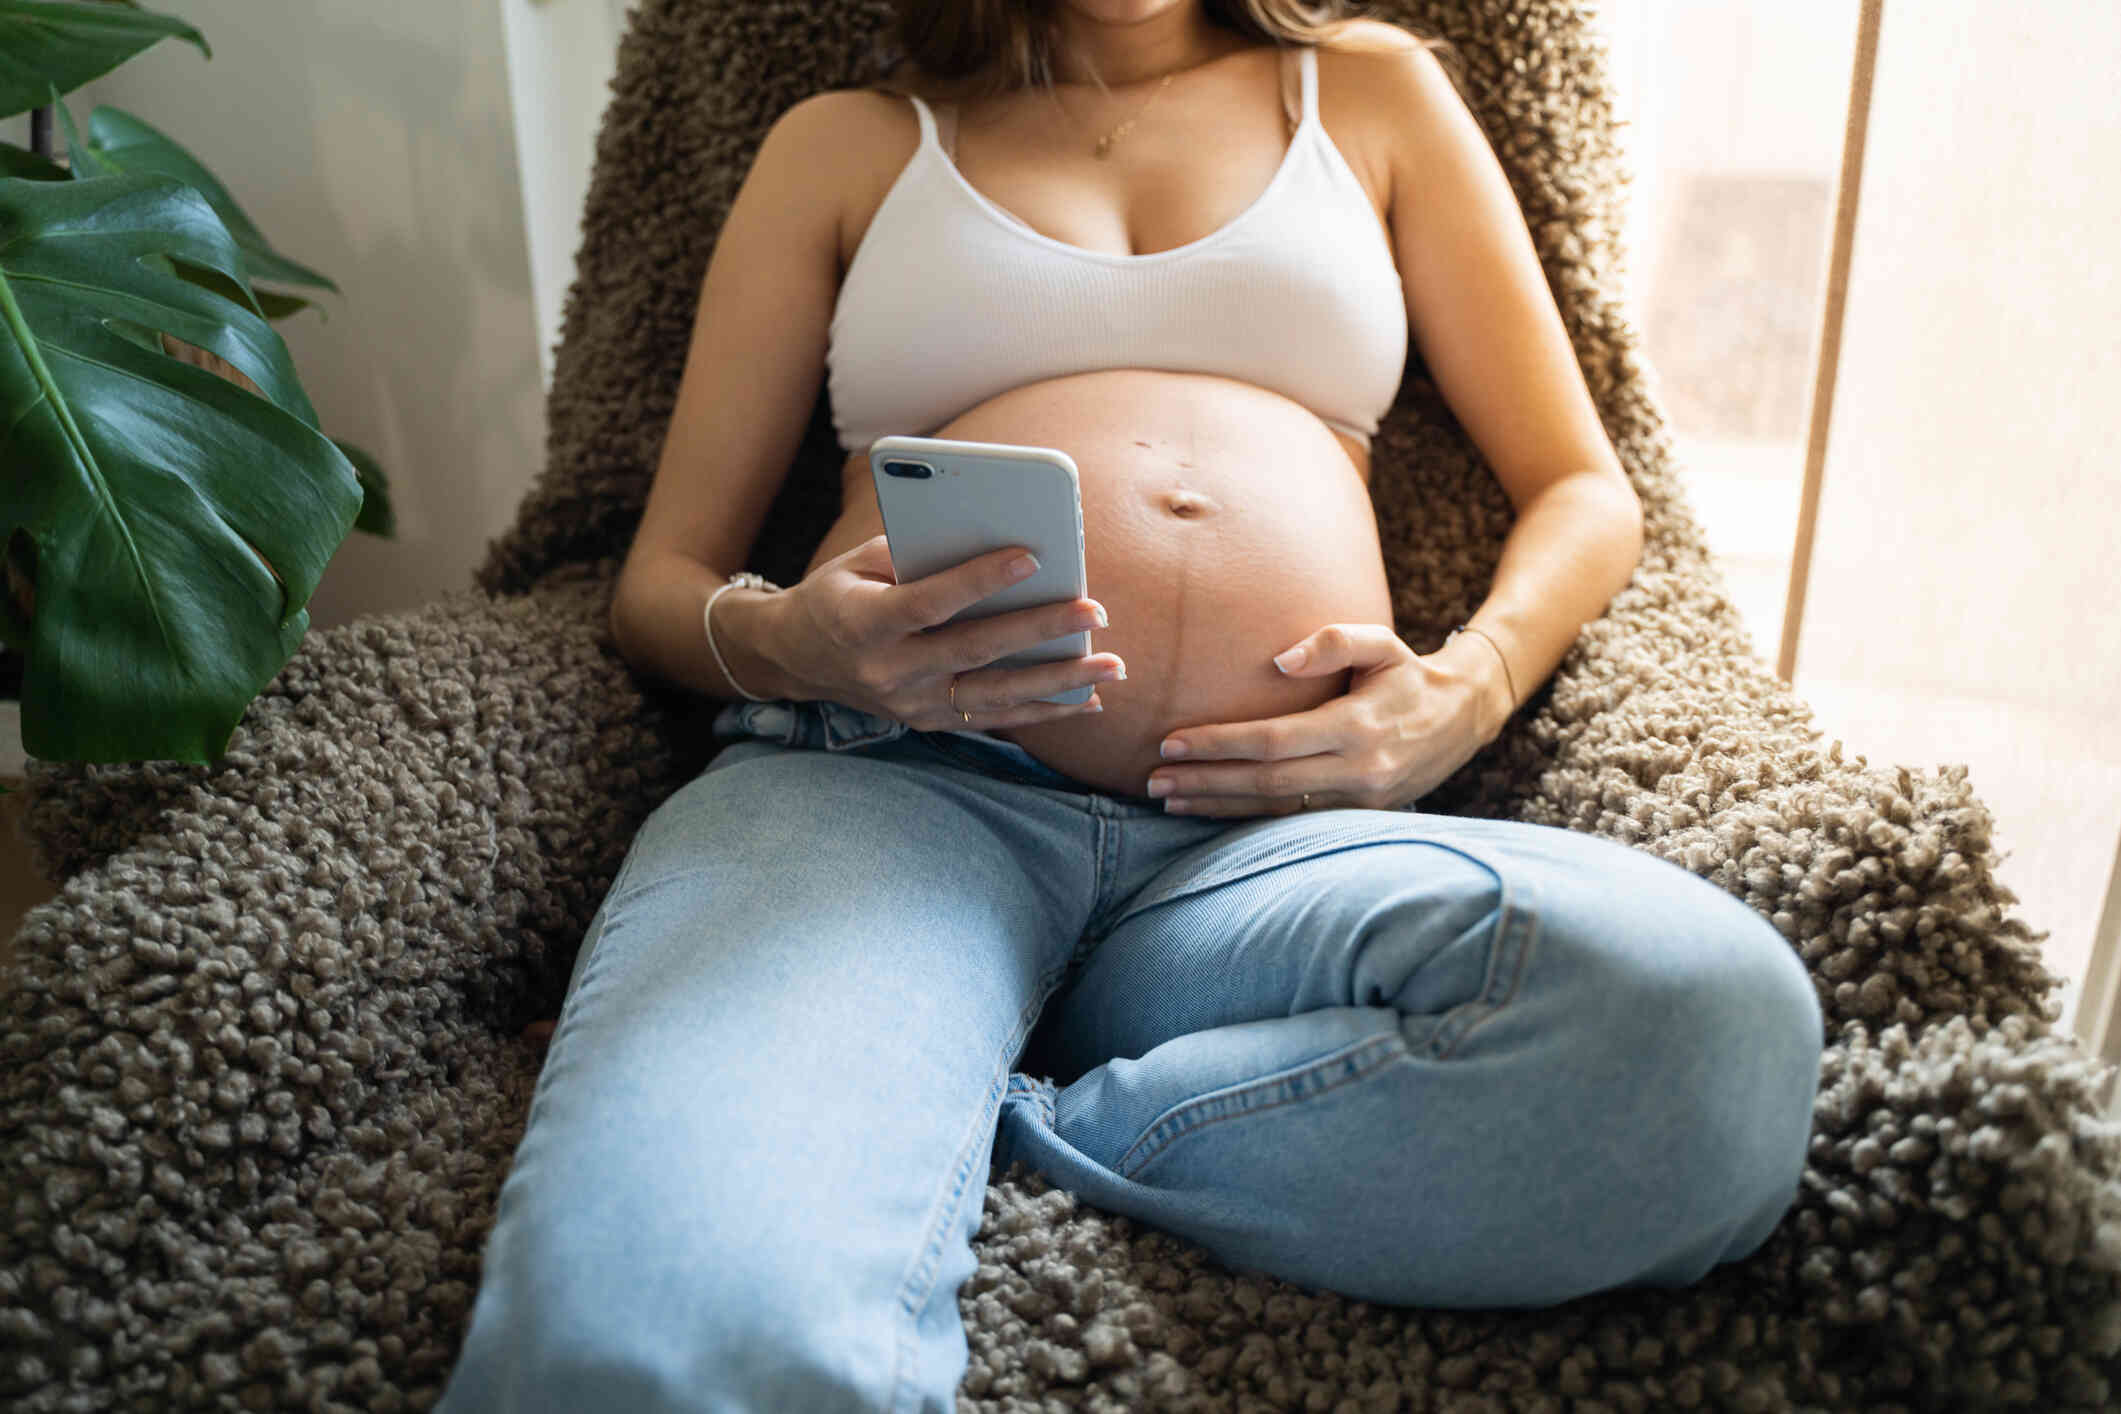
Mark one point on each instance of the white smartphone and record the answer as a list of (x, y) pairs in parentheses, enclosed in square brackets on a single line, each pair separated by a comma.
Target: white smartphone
[(945, 502)]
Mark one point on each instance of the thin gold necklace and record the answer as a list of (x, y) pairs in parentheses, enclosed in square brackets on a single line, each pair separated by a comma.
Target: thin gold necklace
[(1104, 144)]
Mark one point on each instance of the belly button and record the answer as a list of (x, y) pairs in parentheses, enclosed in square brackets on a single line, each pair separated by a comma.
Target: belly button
[(1188, 504)]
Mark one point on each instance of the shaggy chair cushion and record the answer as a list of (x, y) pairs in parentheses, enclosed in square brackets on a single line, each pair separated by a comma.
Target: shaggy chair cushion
[(260, 1079)]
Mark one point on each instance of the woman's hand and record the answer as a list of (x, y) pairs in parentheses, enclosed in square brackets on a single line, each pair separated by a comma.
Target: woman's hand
[(853, 634), (1403, 726)]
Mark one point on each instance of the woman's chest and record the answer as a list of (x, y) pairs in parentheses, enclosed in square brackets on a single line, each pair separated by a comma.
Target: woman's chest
[(1175, 189)]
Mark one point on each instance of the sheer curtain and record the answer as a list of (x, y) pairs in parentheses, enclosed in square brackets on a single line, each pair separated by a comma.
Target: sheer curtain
[(1954, 604)]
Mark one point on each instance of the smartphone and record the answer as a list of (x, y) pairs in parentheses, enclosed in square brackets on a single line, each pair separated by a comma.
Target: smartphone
[(945, 502)]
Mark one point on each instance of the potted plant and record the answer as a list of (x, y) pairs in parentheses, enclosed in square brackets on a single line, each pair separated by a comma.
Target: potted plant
[(168, 502)]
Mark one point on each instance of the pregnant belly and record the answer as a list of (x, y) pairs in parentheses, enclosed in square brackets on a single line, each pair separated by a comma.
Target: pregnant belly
[(1221, 523)]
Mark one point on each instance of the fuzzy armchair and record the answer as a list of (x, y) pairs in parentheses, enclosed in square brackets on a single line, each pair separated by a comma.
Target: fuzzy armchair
[(260, 1075)]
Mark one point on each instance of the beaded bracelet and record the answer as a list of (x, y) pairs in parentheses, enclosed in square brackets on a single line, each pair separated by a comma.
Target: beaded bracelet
[(743, 580), (1512, 682)]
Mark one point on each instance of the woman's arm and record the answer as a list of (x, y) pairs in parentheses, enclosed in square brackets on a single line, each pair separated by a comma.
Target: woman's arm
[(1572, 548), (1479, 310), (751, 378)]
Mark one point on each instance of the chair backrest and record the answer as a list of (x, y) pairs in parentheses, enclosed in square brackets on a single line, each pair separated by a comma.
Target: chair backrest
[(699, 82)]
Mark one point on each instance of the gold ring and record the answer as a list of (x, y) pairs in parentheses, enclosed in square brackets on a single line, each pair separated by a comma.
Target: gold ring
[(953, 701)]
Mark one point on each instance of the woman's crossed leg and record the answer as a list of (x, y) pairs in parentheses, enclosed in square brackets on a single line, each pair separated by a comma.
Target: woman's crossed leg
[(1416, 1059), (1429, 1060)]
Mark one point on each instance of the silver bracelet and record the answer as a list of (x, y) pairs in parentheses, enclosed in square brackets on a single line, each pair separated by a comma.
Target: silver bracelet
[(743, 580)]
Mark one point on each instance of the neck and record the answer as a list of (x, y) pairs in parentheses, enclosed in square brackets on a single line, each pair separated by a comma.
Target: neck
[(1088, 51)]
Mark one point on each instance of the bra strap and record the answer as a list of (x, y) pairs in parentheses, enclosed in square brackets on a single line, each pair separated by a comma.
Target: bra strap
[(927, 118), (946, 129)]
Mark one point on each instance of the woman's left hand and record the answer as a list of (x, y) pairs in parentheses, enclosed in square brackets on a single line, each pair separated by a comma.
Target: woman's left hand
[(1403, 726)]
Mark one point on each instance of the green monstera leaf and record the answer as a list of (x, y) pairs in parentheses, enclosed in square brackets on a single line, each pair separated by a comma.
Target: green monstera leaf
[(376, 518), (179, 523), (119, 142), (21, 162), (62, 44)]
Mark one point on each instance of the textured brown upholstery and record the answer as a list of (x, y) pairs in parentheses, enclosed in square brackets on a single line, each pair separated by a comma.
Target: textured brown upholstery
[(261, 1078)]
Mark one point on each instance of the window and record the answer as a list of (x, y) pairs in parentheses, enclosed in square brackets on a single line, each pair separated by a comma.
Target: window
[(1952, 605)]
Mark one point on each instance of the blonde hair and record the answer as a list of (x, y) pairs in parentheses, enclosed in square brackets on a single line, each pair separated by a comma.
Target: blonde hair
[(960, 51)]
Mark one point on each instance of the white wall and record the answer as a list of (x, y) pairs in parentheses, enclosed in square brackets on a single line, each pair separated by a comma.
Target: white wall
[(561, 56), (372, 140)]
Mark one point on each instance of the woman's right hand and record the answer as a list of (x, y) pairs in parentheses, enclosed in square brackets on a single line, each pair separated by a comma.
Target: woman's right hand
[(857, 636)]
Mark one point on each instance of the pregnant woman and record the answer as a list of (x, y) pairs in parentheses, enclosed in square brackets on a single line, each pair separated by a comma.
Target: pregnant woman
[(1188, 950)]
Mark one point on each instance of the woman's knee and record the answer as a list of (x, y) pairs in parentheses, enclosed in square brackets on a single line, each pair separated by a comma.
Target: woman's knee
[(1696, 1004), (1759, 1009), (1668, 948), (1742, 1054)]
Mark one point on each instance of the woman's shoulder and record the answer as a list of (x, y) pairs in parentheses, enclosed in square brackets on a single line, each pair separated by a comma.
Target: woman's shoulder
[(1361, 35), (857, 128), (858, 107), (1371, 60)]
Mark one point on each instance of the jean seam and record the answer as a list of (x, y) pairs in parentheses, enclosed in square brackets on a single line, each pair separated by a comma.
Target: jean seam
[(566, 1021), (1516, 932), (1349, 837), (1318, 847), (1107, 873), (1172, 1125), (620, 891), (918, 1288), (609, 907)]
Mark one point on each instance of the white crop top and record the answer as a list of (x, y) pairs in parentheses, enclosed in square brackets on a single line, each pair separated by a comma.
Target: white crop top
[(951, 300)]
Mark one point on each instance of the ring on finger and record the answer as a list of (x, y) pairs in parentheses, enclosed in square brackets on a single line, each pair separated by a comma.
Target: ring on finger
[(953, 701)]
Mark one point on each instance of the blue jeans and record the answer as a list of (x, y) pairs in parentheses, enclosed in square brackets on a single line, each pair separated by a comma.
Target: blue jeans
[(1416, 1059)]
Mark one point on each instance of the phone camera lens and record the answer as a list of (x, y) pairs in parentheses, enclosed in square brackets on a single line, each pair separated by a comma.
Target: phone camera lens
[(909, 469)]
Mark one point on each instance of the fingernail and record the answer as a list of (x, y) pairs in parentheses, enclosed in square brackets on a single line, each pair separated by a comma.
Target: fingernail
[(1172, 750), (1102, 621), (1023, 566), (1290, 661), (1158, 788)]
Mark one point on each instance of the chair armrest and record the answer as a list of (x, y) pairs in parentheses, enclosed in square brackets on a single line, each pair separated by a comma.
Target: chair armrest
[(1663, 729), (260, 1076), (460, 781)]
